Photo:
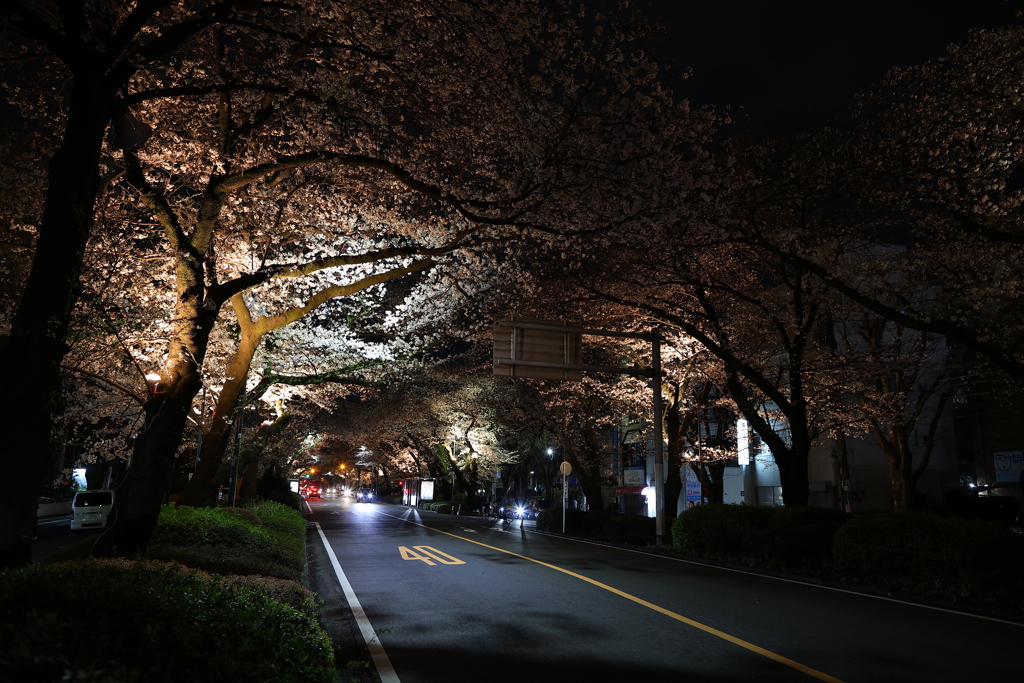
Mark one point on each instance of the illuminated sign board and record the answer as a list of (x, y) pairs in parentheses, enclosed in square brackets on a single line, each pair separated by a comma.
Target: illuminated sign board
[(427, 490), (743, 441)]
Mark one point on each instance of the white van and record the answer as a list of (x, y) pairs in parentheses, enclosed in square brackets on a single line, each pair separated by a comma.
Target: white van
[(89, 509)]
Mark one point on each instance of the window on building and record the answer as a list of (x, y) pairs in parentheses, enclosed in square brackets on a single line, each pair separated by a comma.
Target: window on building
[(769, 495)]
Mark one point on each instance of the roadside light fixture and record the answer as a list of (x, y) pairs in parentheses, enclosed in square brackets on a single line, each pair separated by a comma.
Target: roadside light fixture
[(551, 451), (153, 382)]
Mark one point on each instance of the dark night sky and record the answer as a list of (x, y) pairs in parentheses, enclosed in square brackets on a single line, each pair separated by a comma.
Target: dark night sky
[(792, 63)]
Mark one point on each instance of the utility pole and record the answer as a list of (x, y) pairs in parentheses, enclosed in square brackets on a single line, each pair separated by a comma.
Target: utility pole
[(659, 443)]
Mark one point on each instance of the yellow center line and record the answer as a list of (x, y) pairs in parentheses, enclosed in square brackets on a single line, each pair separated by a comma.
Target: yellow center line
[(650, 605)]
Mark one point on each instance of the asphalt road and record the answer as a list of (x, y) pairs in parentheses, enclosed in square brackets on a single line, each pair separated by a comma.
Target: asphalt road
[(453, 599)]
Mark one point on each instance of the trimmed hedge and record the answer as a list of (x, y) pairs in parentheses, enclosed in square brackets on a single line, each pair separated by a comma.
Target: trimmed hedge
[(551, 520), (135, 622), (607, 525), (721, 532), (225, 541), (442, 506), (949, 558), (928, 555), (760, 536), (286, 591), (279, 517), (801, 538)]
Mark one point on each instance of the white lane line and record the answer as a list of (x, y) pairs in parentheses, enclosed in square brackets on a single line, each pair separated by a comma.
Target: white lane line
[(380, 658)]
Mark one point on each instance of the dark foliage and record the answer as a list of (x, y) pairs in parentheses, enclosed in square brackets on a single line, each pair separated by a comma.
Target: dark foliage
[(948, 558), (600, 525), (116, 620)]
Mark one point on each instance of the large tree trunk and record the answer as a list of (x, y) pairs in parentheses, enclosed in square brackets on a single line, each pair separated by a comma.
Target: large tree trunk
[(140, 495), (791, 459), (30, 376), (138, 498), (676, 425), (796, 486), (202, 487), (589, 476), (900, 459)]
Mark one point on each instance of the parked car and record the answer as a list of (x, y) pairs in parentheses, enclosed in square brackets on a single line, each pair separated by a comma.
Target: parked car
[(90, 509)]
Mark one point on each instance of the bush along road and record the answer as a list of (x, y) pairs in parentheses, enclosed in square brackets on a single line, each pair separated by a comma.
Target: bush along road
[(218, 598)]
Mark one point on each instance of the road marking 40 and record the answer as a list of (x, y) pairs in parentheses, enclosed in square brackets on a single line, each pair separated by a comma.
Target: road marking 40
[(425, 553)]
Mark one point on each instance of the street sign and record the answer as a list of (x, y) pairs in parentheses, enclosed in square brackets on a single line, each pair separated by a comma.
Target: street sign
[(515, 343), (565, 468)]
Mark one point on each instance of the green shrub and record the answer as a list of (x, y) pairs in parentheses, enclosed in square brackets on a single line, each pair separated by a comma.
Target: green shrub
[(442, 506), (202, 526), (954, 559), (551, 520), (806, 548), (285, 591), (601, 525), (759, 536), (228, 560), (806, 516), (800, 538), (135, 622), (219, 540), (280, 517), (629, 529), (721, 532), (243, 514), (591, 523)]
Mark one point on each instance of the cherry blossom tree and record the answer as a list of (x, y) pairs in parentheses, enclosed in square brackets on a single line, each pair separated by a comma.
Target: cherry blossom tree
[(453, 427), (928, 162), (900, 382), (759, 317), (94, 49), (414, 130)]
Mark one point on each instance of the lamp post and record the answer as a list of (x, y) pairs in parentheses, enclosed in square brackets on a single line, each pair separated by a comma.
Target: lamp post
[(565, 468)]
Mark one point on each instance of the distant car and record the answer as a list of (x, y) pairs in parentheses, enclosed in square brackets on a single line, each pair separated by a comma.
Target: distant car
[(364, 496), (90, 509), (310, 491)]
